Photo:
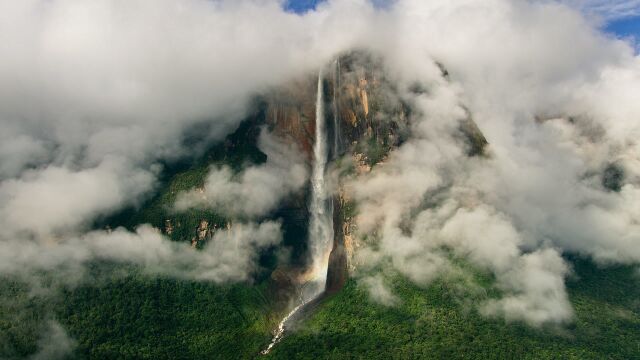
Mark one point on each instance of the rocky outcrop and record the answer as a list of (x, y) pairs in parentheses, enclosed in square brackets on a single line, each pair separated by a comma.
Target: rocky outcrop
[(205, 231), (364, 99), (475, 141), (361, 163), (613, 177), (366, 104), (337, 271), (290, 112), (341, 259), (202, 233), (168, 227)]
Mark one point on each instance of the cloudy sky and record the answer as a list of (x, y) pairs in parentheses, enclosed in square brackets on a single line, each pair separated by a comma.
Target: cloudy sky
[(619, 17), (96, 95), (609, 10)]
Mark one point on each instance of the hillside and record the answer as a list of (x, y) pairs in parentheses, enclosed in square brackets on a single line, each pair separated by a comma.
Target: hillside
[(437, 322), (142, 318), (137, 316), (347, 202)]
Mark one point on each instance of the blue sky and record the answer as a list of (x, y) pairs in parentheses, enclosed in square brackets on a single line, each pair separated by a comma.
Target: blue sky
[(621, 17), (625, 27), (301, 6)]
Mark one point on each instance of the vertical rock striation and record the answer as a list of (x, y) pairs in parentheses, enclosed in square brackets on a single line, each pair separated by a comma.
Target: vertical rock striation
[(337, 270)]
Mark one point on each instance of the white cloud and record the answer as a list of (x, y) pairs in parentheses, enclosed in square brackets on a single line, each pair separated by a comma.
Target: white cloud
[(93, 93), (536, 291), (81, 82), (608, 10), (378, 291), (231, 255), (56, 199), (257, 189), (541, 191)]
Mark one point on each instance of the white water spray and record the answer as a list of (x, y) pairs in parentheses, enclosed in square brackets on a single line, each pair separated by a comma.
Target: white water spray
[(321, 211), (321, 222)]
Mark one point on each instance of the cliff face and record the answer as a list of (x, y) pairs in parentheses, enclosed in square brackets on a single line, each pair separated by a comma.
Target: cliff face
[(291, 110), (369, 120), (366, 119), (344, 244), (337, 271), (290, 114), (368, 116)]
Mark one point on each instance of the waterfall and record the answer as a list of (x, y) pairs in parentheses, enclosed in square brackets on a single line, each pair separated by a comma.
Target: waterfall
[(321, 211), (321, 219)]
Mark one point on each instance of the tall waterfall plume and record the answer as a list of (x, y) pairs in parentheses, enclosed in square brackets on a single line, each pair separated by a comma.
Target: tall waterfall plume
[(321, 222), (321, 211)]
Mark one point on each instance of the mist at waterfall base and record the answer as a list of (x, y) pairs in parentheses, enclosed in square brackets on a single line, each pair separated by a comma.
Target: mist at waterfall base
[(321, 220), (85, 133)]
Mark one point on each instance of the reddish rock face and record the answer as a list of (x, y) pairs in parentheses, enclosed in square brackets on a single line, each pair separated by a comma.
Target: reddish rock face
[(291, 113), (353, 95), (366, 119), (337, 271)]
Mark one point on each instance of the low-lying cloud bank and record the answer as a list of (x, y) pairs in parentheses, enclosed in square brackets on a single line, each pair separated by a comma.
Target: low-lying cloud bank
[(94, 94), (231, 255), (257, 189), (56, 199), (542, 191)]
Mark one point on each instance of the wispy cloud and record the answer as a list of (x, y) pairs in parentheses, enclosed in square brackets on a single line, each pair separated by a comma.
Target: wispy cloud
[(607, 10)]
